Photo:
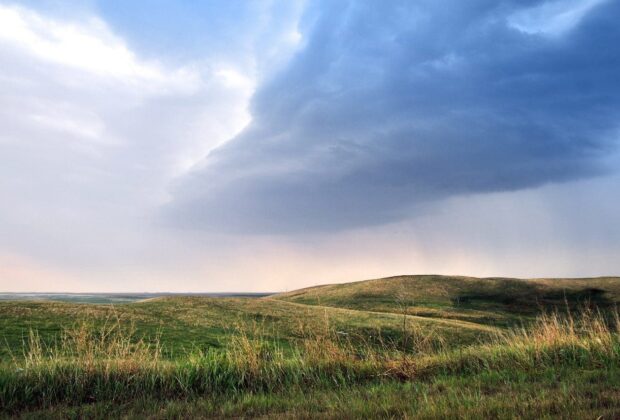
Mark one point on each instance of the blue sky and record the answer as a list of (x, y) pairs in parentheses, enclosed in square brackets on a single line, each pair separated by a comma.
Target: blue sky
[(269, 145)]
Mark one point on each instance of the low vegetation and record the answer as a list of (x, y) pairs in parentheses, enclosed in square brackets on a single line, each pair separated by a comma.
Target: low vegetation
[(269, 357)]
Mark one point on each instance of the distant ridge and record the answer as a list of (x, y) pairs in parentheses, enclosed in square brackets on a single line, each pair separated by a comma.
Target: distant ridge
[(114, 297)]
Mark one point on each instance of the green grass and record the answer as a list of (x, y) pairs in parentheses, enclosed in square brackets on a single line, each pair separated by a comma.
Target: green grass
[(212, 357), (183, 325), (491, 301), (551, 393)]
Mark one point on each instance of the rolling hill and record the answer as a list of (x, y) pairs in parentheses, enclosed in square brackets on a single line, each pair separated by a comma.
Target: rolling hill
[(492, 300), (184, 324)]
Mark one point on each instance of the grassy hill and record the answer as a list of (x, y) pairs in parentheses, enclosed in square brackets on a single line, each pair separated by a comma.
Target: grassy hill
[(408, 346), (186, 324), (496, 301)]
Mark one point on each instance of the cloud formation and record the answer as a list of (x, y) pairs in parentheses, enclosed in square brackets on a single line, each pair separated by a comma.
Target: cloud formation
[(396, 137), (92, 132), (391, 106)]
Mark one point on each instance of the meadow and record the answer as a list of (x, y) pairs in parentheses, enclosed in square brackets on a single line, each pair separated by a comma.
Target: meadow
[(402, 347)]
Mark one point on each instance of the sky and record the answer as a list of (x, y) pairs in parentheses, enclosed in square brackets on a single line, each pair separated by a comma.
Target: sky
[(222, 146)]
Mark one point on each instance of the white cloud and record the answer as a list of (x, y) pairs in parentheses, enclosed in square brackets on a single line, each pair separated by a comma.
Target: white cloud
[(89, 46), (234, 78), (74, 122), (92, 135), (552, 18)]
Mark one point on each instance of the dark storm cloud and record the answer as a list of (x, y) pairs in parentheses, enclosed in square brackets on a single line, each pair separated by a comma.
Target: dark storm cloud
[(390, 105)]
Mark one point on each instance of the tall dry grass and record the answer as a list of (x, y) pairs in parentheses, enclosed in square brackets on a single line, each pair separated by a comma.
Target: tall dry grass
[(111, 344), (585, 339)]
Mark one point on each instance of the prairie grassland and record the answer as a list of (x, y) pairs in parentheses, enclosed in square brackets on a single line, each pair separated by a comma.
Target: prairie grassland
[(183, 325), (558, 366), (389, 348)]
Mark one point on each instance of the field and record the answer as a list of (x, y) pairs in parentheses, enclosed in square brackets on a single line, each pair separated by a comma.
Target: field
[(402, 347)]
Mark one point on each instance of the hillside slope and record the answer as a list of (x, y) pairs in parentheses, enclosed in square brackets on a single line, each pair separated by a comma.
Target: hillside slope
[(184, 324), (484, 300)]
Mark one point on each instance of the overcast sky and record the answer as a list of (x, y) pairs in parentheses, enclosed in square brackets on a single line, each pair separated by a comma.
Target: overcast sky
[(270, 145)]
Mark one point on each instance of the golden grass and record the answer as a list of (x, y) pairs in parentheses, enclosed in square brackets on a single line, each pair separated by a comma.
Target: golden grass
[(108, 346)]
